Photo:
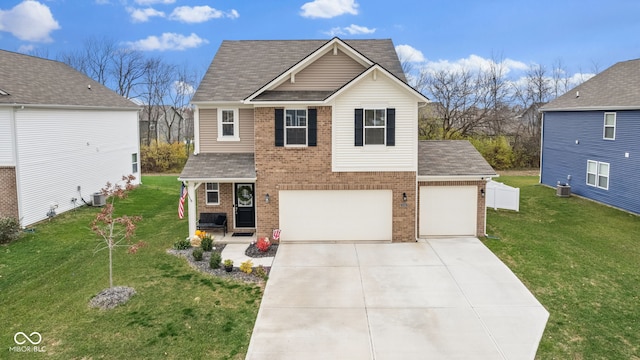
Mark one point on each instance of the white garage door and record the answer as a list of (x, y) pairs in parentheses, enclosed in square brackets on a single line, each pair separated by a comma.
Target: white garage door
[(335, 215), (448, 210)]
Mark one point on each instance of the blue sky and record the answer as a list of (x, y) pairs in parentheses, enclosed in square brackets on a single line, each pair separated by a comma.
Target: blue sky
[(584, 35)]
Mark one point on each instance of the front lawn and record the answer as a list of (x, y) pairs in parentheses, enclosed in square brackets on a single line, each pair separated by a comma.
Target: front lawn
[(47, 278), (582, 261)]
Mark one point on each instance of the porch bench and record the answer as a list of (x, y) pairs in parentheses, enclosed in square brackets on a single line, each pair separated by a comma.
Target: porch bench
[(213, 221)]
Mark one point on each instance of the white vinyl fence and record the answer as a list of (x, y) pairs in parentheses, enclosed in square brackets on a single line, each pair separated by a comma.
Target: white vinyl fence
[(501, 196)]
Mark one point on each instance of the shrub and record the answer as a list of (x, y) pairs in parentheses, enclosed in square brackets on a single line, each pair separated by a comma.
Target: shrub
[(263, 244), (9, 229), (261, 272), (182, 244), (496, 151), (206, 243), (246, 267), (215, 261), (197, 254), (163, 157), (228, 262)]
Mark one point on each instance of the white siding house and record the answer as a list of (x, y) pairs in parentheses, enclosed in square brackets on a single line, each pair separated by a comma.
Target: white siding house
[(59, 144)]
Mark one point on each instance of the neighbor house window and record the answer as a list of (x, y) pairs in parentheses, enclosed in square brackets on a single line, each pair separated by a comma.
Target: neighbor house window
[(295, 127), (598, 174), (609, 126), (212, 193), (134, 163), (228, 125), (375, 123)]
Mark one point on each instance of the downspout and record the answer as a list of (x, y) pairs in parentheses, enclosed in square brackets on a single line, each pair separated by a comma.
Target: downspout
[(541, 147), (16, 163)]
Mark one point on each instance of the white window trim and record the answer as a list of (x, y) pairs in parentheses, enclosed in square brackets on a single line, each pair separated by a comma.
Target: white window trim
[(306, 127), (236, 125), (365, 127), (598, 174), (135, 164), (605, 126), (207, 191)]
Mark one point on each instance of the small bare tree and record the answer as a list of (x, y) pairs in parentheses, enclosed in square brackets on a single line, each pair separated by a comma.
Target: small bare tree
[(113, 231)]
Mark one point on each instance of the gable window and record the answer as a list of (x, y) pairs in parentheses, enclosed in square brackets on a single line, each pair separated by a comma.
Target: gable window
[(134, 163), (375, 127), (598, 174), (212, 193), (609, 132), (295, 127), (228, 125)]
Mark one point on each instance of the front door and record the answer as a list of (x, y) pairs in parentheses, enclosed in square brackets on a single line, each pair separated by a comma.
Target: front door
[(245, 206)]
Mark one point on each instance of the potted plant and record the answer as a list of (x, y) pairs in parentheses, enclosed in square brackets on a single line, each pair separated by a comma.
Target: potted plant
[(228, 265)]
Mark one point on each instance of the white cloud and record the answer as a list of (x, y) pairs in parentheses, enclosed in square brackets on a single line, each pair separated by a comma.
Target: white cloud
[(329, 8), (409, 54), (168, 41), (29, 21), (151, 2), (26, 49), (199, 14), (183, 88), (143, 15), (351, 30), (474, 63), (102, 2)]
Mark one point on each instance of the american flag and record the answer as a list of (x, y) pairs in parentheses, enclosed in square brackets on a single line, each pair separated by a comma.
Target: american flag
[(183, 195)]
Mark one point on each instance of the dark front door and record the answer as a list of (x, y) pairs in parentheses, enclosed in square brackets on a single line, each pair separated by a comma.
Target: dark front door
[(245, 206)]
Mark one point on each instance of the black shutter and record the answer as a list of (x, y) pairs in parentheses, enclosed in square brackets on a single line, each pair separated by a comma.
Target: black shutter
[(359, 127), (391, 127), (279, 128), (312, 118)]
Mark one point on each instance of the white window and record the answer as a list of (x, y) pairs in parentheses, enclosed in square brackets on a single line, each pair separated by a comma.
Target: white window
[(295, 127), (598, 174), (212, 194), (134, 163), (609, 131), (228, 125), (375, 126)]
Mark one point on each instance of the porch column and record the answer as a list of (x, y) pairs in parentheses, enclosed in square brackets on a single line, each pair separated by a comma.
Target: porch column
[(191, 191)]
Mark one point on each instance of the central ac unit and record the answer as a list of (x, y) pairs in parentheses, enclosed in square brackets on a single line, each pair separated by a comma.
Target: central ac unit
[(563, 190), (98, 199)]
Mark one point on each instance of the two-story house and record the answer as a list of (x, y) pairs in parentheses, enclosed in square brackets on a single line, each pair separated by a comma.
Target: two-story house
[(320, 140), (590, 138)]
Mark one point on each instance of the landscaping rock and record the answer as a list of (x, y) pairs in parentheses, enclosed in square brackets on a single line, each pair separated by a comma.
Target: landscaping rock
[(112, 297)]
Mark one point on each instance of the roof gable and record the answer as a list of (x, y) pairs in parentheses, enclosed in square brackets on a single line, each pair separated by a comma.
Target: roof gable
[(616, 88), (29, 80)]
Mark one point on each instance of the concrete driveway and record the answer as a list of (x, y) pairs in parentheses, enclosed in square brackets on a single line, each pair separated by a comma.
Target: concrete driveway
[(440, 299)]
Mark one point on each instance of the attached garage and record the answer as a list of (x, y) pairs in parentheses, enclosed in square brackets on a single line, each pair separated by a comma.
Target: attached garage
[(448, 211), (335, 215)]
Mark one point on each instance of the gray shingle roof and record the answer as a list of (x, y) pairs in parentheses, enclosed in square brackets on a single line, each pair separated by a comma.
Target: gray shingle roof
[(219, 166), (451, 158), (239, 68), (616, 88), (293, 95), (30, 80)]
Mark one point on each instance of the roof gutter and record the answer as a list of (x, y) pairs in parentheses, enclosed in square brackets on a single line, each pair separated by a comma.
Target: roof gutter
[(455, 177), (219, 180), (591, 108), (71, 107)]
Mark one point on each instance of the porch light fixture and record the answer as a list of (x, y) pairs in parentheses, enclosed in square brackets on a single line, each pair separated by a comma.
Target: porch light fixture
[(404, 197), (266, 198), (482, 192)]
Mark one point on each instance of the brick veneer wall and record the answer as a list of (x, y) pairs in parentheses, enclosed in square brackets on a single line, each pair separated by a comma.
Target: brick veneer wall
[(8, 192), (480, 184), (309, 168)]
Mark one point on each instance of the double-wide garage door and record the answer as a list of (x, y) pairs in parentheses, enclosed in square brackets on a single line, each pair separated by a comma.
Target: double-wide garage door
[(448, 211), (336, 215)]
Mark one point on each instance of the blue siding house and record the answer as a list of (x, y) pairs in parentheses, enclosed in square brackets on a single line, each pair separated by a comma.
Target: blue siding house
[(591, 138)]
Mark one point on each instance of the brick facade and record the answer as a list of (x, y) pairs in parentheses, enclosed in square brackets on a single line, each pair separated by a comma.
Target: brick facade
[(481, 213), (8, 192), (309, 168), (226, 204)]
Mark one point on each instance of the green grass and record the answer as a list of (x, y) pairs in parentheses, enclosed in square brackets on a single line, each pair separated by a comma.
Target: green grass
[(582, 261), (48, 277)]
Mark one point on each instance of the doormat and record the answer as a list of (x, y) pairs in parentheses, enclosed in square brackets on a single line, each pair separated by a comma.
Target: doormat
[(242, 234)]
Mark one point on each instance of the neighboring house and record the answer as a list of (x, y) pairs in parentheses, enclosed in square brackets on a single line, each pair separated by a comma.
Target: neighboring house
[(320, 139), (591, 138), (62, 137)]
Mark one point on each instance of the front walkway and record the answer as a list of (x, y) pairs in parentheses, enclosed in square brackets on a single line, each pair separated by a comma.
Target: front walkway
[(442, 299)]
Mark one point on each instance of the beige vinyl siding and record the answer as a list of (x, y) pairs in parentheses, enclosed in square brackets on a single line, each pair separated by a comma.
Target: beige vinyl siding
[(375, 93), (327, 73), (6, 142), (209, 132)]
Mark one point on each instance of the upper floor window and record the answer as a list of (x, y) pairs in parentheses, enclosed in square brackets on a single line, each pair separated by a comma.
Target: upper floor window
[(228, 125), (609, 132), (598, 174), (212, 193), (295, 127), (374, 126)]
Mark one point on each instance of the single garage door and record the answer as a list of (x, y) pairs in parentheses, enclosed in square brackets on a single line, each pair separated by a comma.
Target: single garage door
[(335, 215), (448, 210)]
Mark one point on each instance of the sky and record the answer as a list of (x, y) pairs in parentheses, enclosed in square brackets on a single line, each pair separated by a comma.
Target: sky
[(583, 36)]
